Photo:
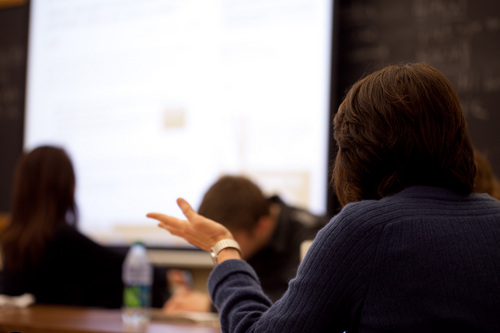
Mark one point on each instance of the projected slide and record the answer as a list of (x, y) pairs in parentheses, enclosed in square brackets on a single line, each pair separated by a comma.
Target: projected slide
[(156, 99)]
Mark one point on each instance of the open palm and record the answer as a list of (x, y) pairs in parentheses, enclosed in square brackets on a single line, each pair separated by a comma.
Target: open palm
[(197, 230)]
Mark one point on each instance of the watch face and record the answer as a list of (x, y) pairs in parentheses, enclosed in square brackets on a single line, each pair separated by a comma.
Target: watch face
[(214, 257)]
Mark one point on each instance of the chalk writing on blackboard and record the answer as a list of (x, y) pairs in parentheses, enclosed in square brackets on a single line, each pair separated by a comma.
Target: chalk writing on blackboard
[(12, 64)]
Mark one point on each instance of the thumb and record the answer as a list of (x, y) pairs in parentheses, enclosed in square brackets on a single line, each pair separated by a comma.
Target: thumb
[(186, 208)]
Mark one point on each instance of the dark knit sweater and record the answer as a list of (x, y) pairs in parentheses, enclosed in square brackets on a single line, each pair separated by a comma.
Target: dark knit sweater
[(424, 260)]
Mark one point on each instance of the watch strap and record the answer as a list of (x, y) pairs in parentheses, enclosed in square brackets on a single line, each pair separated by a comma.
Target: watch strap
[(221, 245)]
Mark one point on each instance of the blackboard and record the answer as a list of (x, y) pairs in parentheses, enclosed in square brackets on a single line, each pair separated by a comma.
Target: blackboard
[(461, 38), (13, 50)]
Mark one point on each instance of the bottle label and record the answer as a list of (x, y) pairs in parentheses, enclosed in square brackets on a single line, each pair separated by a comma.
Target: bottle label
[(137, 296)]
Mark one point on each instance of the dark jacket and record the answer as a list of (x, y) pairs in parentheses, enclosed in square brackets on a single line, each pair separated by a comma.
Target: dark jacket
[(277, 263), (75, 270)]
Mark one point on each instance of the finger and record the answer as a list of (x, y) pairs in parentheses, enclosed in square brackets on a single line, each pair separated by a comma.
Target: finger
[(176, 231), (167, 221), (186, 208), (157, 216), (170, 229), (161, 225)]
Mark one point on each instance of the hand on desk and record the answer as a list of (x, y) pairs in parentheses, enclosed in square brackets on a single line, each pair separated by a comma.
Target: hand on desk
[(187, 300), (184, 298)]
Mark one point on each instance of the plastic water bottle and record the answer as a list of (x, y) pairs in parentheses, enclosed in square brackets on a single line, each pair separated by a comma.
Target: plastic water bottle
[(137, 275)]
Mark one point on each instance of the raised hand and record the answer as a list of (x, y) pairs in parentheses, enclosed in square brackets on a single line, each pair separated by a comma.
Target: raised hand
[(197, 230)]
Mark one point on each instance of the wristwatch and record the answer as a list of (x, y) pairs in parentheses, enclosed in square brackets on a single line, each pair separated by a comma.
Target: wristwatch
[(221, 245)]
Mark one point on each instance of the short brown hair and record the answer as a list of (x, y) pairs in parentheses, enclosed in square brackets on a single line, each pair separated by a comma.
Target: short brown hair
[(234, 201), (398, 127)]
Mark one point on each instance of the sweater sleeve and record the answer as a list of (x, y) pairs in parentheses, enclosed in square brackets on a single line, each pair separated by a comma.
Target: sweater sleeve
[(325, 296)]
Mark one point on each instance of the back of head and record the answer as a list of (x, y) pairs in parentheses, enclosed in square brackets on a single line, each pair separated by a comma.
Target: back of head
[(45, 182), (42, 198), (236, 202), (399, 127)]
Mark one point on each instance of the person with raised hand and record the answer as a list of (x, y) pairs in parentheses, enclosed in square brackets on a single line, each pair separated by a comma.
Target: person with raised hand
[(413, 248)]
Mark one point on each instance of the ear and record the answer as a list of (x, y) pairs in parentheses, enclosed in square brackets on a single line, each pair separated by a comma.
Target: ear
[(264, 227)]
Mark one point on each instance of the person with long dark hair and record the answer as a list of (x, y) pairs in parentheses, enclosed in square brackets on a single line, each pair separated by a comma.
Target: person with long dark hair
[(413, 248), (44, 253)]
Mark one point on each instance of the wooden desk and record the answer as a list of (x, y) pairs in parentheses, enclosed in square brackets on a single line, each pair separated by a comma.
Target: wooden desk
[(59, 319)]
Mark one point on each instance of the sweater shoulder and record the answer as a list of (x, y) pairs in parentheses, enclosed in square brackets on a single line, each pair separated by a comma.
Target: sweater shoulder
[(416, 203)]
